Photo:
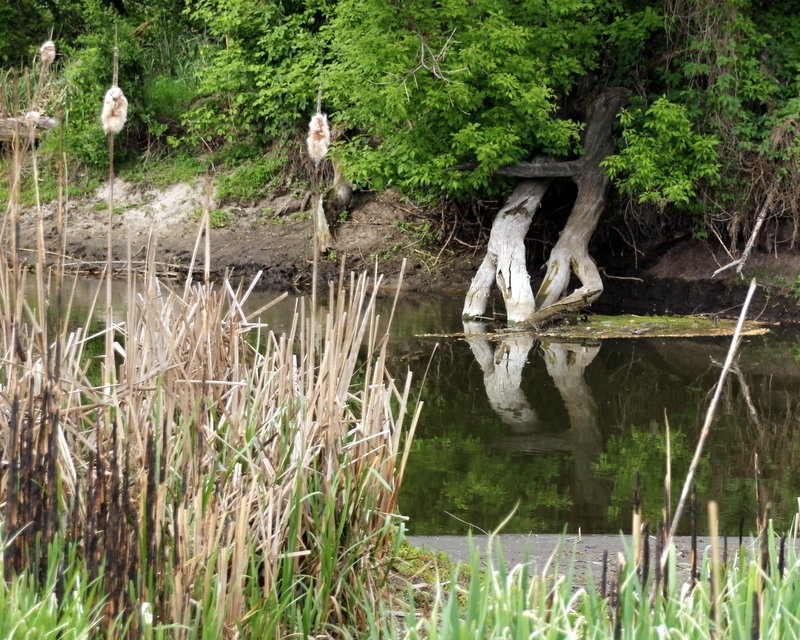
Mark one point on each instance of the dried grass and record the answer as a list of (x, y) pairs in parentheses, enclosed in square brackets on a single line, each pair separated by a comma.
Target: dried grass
[(222, 478)]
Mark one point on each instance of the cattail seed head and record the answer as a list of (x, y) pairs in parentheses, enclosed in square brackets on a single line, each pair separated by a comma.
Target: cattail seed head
[(115, 110), (47, 53), (319, 137)]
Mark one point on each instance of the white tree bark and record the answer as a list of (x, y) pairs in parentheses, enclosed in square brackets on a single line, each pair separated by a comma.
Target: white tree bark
[(505, 261), (502, 366), (571, 253)]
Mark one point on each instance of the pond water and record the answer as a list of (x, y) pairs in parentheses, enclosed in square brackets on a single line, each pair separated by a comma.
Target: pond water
[(556, 432)]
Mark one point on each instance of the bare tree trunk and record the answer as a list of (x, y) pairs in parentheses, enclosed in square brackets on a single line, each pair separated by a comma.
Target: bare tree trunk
[(505, 260), (571, 253)]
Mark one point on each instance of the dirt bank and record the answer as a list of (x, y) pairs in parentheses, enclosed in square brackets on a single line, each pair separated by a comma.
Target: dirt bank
[(274, 236)]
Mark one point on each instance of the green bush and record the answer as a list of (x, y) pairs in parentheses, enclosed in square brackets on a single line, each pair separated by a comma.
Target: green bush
[(663, 159), (252, 179)]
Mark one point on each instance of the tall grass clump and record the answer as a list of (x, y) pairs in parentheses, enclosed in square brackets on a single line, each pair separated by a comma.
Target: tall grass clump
[(223, 481), (755, 595)]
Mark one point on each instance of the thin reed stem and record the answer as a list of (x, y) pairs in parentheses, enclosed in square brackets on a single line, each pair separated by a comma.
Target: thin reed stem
[(709, 419)]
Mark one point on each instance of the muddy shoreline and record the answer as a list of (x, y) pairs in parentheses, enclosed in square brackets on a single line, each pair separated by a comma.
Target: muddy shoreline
[(273, 238)]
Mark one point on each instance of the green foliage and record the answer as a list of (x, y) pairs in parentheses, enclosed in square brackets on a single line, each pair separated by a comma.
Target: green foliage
[(263, 68), (217, 218), (252, 179), (34, 608), (453, 83), (164, 169), (423, 233), (417, 87), (663, 159)]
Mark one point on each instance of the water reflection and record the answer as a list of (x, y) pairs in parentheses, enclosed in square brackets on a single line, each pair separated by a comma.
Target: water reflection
[(561, 429), (502, 363), (502, 366)]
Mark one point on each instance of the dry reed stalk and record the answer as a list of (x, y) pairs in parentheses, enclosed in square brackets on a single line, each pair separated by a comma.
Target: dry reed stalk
[(270, 422), (709, 419), (716, 612), (636, 526), (113, 117)]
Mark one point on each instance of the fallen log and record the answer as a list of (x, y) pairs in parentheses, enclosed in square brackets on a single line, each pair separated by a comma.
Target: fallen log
[(9, 127)]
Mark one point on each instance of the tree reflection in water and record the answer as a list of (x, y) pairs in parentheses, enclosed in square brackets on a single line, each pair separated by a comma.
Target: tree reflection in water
[(502, 364)]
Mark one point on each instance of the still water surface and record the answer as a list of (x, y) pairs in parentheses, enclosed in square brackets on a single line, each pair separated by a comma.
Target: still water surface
[(556, 432)]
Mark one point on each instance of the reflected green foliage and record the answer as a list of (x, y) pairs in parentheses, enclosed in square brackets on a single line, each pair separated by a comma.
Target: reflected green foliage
[(481, 487), (644, 452)]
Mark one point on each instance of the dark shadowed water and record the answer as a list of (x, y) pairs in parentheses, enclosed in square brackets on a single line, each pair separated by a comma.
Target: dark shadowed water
[(553, 434)]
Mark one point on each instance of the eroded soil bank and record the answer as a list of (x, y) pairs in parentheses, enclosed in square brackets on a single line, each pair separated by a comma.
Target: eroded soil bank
[(274, 236)]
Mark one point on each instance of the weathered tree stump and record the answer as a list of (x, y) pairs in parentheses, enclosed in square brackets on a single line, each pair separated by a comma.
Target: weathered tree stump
[(505, 262)]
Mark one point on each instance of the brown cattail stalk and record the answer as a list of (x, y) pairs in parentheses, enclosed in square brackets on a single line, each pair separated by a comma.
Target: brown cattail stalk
[(114, 115), (667, 475), (657, 573), (693, 527), (713, 521), (636, 528), (645, 571)]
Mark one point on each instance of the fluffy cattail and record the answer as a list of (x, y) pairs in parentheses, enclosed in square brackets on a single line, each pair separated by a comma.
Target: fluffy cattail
[(47, 52), (115, 110), (319, 137)]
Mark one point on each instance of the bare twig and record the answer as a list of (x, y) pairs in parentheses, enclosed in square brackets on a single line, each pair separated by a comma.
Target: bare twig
[(739, 263)]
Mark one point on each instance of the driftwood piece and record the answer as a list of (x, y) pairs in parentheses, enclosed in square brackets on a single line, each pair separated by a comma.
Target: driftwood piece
[(9, 127)]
